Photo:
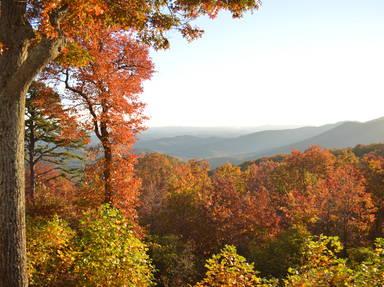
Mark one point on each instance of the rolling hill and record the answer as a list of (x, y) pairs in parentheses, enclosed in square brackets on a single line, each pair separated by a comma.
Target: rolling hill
[(192, 146), (244, 147), (188, 146), (347, 134)]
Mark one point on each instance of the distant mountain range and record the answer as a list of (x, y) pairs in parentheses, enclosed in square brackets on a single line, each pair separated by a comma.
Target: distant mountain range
[(165, 132), (225, 145)]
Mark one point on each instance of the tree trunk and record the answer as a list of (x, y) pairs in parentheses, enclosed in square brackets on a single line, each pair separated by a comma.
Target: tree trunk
[(32, 184), (19, 64), (12, 207), (107, 174), (106, 143)]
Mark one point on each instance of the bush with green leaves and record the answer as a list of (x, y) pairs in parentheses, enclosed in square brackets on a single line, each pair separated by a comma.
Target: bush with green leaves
[(276, 256), (51, 252), (321, 267), (371, 271), (110, 253), (229, 269)]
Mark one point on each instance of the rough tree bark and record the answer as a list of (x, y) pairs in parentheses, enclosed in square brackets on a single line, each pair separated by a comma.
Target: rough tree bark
[(31, 163), (12, 217), (20, 60)]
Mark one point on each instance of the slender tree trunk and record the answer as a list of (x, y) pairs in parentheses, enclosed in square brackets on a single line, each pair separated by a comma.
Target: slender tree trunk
[(105, 139), (107, 174), (32, 184)]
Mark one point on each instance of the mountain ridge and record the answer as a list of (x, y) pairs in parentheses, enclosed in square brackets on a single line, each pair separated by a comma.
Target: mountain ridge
[(218, 150)]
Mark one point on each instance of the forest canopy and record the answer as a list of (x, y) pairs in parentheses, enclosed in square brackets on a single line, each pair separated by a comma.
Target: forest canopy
[(311, 218)]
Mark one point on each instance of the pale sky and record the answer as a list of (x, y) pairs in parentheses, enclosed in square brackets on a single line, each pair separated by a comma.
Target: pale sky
[(294, 62)]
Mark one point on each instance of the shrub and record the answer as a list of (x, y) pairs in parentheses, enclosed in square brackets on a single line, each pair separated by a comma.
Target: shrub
[(110, 253), (228, 269), (371, 271), (320, 266), (51, 253)]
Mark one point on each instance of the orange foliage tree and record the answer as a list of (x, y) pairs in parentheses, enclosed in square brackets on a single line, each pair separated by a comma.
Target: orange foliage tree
[(300, 170), (105, 92), (154, 171), (293, 182), (345, 207), (184, 213), (239, 212), (316, 189), (373, 169)]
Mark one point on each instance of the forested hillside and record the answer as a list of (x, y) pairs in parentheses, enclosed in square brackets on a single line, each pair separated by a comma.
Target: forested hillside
[(301, 219)]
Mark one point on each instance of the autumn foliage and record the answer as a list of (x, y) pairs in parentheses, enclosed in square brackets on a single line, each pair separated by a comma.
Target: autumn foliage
[(305, 219), (104, 92)]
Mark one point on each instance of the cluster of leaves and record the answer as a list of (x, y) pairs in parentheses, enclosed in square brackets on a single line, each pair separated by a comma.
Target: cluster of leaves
[(104, 93), (230, 269), (54, 195), (371, 271), (275, 257), (51, 251), (151, 19), (102, 250), (321, 266)]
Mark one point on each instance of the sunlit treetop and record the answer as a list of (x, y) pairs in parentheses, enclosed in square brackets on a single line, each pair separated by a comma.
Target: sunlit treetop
[(151, 19)]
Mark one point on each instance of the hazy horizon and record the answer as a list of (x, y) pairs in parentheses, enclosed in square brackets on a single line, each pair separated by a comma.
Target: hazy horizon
[(285, 126)]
